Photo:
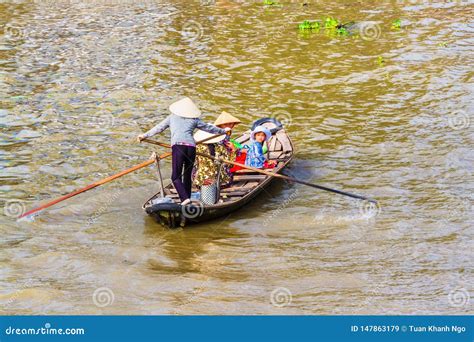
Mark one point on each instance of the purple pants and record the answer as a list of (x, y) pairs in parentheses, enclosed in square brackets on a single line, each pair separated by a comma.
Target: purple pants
[(183, 161)]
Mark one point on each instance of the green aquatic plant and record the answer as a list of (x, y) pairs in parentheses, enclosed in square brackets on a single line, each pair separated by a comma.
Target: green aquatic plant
[(331, 23), (443, 44), (342, 31), (332, 27), (380, 61), (396, 24), (309, 25), (270, 2)]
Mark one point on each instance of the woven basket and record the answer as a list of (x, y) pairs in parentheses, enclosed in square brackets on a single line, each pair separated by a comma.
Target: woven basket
[(210, 193)]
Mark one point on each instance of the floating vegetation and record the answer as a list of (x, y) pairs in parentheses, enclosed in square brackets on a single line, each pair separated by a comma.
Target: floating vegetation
[(342, 31), (332, 26), (271, 3), (396, 24), (331, 23), (309, 25), (443, 44), (380, 61)]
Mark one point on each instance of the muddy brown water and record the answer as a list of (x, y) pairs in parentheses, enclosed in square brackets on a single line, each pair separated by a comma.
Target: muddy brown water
[(383, 112)]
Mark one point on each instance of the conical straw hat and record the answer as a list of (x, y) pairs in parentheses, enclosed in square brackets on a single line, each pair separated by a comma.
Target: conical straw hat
[(201, 135), (226, 118), (185, 108)]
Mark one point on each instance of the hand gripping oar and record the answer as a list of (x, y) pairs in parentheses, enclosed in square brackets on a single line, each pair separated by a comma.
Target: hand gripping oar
[(272, 174), (103, 181)]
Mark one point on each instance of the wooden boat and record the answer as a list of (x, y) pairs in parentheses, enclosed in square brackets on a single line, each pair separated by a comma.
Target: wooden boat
[(246, 186)]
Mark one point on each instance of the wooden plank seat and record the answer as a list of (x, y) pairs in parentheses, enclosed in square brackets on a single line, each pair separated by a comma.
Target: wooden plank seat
[(245, 171), (222, 193), (249, 177)]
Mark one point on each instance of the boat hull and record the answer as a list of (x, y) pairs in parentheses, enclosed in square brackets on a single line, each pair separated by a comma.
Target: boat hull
[(247, 186), (175, 216)]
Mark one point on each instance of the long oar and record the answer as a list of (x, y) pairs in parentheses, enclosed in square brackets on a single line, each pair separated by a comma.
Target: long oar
[(272, 174), (93, 185), (105, 180)]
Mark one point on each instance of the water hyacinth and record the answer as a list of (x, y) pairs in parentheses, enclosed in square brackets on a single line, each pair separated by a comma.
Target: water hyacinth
[(332, 26), (380, 61), (270, 2), (331, 23), (342, 31), (396, 24), (309, 25)]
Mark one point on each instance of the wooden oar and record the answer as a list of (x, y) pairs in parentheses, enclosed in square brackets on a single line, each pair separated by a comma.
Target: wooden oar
[(105, 180), (272, 174), (94, 185)]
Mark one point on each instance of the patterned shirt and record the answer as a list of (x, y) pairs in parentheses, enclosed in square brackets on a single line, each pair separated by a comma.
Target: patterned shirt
[(206, 169)]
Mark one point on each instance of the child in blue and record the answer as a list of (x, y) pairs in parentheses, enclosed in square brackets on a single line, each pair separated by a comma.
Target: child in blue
[(255, 156)]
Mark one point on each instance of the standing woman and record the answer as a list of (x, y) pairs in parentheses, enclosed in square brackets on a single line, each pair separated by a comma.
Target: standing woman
[(182, 122)]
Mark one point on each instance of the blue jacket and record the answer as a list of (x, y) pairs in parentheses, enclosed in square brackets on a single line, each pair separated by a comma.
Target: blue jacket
[(255, 157)]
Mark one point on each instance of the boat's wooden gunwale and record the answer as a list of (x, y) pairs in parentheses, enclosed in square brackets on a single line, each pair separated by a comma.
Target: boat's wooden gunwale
[(250, 184)]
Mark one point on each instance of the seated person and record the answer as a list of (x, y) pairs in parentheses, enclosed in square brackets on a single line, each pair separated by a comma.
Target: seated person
[(255, 156), (206, 170)]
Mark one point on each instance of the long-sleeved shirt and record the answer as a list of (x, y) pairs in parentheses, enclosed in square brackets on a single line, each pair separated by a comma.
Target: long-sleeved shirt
[(255, 157), (182, 129)]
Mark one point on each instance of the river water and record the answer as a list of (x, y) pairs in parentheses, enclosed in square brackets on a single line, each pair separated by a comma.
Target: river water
[(383, 112)]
